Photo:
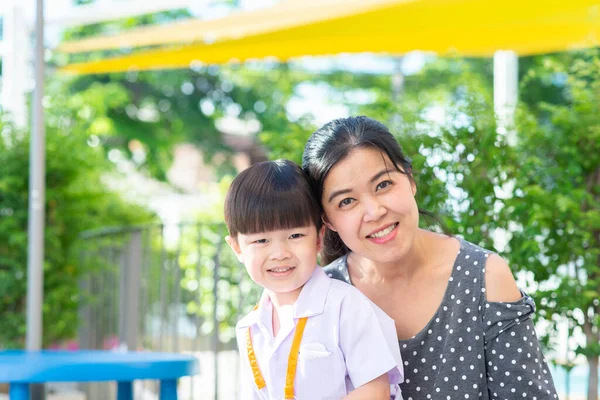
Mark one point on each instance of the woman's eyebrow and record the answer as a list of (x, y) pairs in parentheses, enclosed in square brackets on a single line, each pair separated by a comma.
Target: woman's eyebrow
[(372, 180), (337, 193), (380, 174)]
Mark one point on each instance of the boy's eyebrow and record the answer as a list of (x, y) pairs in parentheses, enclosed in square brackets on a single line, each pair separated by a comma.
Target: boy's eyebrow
[(372, 180)]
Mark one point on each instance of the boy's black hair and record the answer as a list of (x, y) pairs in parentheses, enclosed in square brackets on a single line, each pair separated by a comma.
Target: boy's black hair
[(269, 196)]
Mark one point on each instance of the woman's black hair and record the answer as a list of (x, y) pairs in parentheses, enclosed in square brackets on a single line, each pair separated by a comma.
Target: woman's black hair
[(269, 196), (332, 143)]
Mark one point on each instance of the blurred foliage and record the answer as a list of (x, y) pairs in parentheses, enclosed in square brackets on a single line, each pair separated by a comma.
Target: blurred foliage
[(76, 199), (556, 207), (148, 113)]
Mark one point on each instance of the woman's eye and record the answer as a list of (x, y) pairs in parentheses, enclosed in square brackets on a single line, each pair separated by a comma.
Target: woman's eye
[(383, 185), (345, 202), (296, 236)]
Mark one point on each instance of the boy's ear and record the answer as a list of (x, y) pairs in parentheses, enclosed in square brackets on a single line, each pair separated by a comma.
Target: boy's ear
[(234, 246), (320, 234)]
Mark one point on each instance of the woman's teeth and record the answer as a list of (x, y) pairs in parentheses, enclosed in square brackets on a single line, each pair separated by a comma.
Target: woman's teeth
[(384, 232)]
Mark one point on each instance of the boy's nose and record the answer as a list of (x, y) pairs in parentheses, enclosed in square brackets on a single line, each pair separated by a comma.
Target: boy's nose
[(280, 252)]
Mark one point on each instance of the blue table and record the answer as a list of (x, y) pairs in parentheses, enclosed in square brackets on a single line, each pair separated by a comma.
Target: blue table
[(21, 368)]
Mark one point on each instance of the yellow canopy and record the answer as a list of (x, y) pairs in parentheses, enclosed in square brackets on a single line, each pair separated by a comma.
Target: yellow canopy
[(323, 27)]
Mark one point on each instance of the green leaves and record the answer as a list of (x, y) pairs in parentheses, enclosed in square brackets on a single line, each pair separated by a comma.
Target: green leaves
[(76, 200)]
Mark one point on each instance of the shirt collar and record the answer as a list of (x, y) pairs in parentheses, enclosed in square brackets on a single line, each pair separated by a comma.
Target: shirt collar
[(258, 312), (311, 300)]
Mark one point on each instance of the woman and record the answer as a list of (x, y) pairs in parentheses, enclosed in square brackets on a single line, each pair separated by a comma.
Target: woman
[(464, 327)]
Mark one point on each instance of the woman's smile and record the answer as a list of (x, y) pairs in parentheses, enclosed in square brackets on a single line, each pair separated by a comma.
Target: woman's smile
[(384, 234)]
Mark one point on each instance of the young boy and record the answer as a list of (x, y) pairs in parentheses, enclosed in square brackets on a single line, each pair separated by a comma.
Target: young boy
[(309, 337)]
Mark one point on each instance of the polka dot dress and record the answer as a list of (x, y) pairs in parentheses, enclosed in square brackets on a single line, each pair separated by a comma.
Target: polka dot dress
[(472, 348)]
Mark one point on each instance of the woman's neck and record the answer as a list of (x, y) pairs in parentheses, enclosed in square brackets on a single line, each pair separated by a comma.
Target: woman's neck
[(416, 258)]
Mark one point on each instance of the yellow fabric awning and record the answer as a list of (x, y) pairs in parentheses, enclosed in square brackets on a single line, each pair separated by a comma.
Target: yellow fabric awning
[(324, 27)]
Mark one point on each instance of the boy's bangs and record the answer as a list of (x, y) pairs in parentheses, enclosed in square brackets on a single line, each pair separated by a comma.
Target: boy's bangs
[(266, 212), (270, 196)]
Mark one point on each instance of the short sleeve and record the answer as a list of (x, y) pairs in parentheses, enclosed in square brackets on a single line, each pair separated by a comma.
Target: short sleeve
[(515, 365), (368, 341)]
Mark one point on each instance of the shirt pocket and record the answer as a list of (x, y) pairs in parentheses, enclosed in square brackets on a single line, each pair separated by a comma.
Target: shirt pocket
[(321, 372)]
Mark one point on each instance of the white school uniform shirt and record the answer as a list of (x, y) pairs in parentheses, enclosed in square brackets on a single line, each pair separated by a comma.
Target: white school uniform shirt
[(347, 342)]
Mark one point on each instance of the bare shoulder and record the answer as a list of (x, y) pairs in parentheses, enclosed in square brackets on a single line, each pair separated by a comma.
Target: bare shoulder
[(499, 281)]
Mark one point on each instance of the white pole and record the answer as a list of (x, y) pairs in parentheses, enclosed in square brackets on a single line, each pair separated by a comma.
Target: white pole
[(506, 91), (37, 172)]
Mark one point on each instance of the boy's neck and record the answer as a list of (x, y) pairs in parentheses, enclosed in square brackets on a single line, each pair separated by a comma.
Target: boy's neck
[(284, 299), (279, 300)]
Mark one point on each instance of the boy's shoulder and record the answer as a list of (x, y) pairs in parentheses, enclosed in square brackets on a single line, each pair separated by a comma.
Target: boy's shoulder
[(347, 294), (354, 302), (342, 288)]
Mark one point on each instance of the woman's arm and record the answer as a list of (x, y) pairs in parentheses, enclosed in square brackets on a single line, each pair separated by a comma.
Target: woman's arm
[(515, 364), (377, 389)]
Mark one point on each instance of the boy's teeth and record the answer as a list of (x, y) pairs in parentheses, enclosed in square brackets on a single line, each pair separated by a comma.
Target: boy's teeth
[(383, 232), (281, 269)]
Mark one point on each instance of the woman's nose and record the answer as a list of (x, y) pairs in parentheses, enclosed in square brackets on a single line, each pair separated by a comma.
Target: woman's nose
[(374, 210)]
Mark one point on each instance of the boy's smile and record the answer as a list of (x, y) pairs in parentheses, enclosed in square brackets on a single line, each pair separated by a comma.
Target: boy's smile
[(281, 271), (281, 261)]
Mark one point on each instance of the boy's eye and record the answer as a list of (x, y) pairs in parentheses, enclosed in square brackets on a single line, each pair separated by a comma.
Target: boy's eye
[(347, 201), (296, 236), (383, 185), (261, 241)]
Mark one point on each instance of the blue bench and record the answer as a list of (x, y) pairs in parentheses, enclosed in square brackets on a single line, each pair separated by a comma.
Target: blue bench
[(21, 368)]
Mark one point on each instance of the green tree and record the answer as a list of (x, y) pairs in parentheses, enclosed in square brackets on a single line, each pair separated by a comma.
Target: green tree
[(76, 199), (556, 206)]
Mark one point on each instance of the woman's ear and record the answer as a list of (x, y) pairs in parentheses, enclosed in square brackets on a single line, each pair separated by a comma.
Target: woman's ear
[(235, 246), (327, 223)]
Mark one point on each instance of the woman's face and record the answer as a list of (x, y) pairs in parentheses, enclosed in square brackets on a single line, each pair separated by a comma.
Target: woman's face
[(371, 205)]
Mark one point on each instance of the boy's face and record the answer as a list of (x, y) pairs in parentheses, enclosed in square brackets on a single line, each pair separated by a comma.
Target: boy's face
[(281, 261)]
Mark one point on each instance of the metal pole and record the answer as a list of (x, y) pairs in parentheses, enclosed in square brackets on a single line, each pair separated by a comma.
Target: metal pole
[(37, 201), (37, 172)]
